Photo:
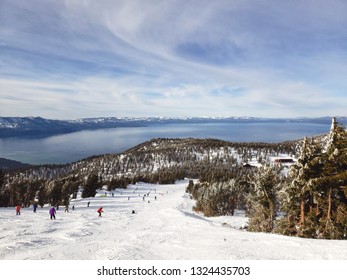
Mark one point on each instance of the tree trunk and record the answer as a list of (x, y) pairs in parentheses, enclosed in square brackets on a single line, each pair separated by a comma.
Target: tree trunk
[(329, 206), (302, 213), (328, 221), (317, 209)]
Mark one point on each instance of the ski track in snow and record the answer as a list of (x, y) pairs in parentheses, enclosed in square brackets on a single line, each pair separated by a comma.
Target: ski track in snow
[(163, 229)]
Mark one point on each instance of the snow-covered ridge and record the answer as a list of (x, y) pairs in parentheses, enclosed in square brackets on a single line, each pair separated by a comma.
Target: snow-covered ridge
[(171, 154), (40, 127), (16, 122)]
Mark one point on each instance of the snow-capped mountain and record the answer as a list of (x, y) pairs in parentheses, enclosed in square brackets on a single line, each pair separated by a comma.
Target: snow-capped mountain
[(40, 127)]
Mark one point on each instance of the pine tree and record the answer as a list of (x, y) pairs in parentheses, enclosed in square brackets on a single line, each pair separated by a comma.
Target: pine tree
[(332, 185), (42, 195), (261, 206), (2, 178), (298, 195), (315, 203), (220, 199), (55, 193), (91, 186), (4, 194)]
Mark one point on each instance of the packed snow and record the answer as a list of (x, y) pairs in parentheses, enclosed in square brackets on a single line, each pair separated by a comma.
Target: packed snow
[(164, 228)]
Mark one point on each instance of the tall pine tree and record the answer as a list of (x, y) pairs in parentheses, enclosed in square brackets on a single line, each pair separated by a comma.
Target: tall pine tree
[(315, 203), (298, 195), (332, 185), (262, 200)]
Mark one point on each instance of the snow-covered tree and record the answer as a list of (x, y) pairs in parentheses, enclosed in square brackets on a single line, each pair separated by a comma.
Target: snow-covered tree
[(261, 206), (315, 203), (220, 199), (298, 195), (332, 185)]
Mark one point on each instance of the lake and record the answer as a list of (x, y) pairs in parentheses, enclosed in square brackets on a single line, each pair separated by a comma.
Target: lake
[(75, 146)]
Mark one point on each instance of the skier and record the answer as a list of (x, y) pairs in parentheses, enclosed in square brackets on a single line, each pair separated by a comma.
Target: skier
[(52, 212), (66, 208), (18, 210), (35, 207), (88, 203), (100, 211), (73, 207)]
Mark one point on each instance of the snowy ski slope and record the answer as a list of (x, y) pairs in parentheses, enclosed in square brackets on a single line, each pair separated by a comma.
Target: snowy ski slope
[(162, 229)]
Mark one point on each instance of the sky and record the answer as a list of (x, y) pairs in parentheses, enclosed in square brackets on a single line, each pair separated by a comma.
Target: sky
[(173, 58)]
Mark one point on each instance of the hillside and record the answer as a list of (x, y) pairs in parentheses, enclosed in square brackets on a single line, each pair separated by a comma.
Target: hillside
[(7, 164), (190, 156)]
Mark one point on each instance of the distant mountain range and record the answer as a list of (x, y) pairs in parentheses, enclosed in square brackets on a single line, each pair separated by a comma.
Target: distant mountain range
[(37, 127), (7, 164)]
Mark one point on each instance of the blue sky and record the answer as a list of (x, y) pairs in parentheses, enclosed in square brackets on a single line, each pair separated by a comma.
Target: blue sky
[(85, 58)]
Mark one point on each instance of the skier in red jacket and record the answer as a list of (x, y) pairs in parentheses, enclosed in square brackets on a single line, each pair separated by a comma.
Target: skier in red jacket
[(18, 210), (100, 211)]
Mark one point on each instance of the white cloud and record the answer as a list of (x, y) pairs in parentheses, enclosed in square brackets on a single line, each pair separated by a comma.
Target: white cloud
[(83, 58)]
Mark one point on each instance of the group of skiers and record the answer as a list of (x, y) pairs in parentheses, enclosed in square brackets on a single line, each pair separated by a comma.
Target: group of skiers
[(52, 210), (19, 207)]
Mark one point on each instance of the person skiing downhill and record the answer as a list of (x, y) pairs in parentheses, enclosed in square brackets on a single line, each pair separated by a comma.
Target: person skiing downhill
[(35, 207), (100, 211), (52, 212), (18, 210)]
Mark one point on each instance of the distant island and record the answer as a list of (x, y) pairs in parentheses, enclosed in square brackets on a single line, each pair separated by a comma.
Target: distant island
[(38, 127)]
